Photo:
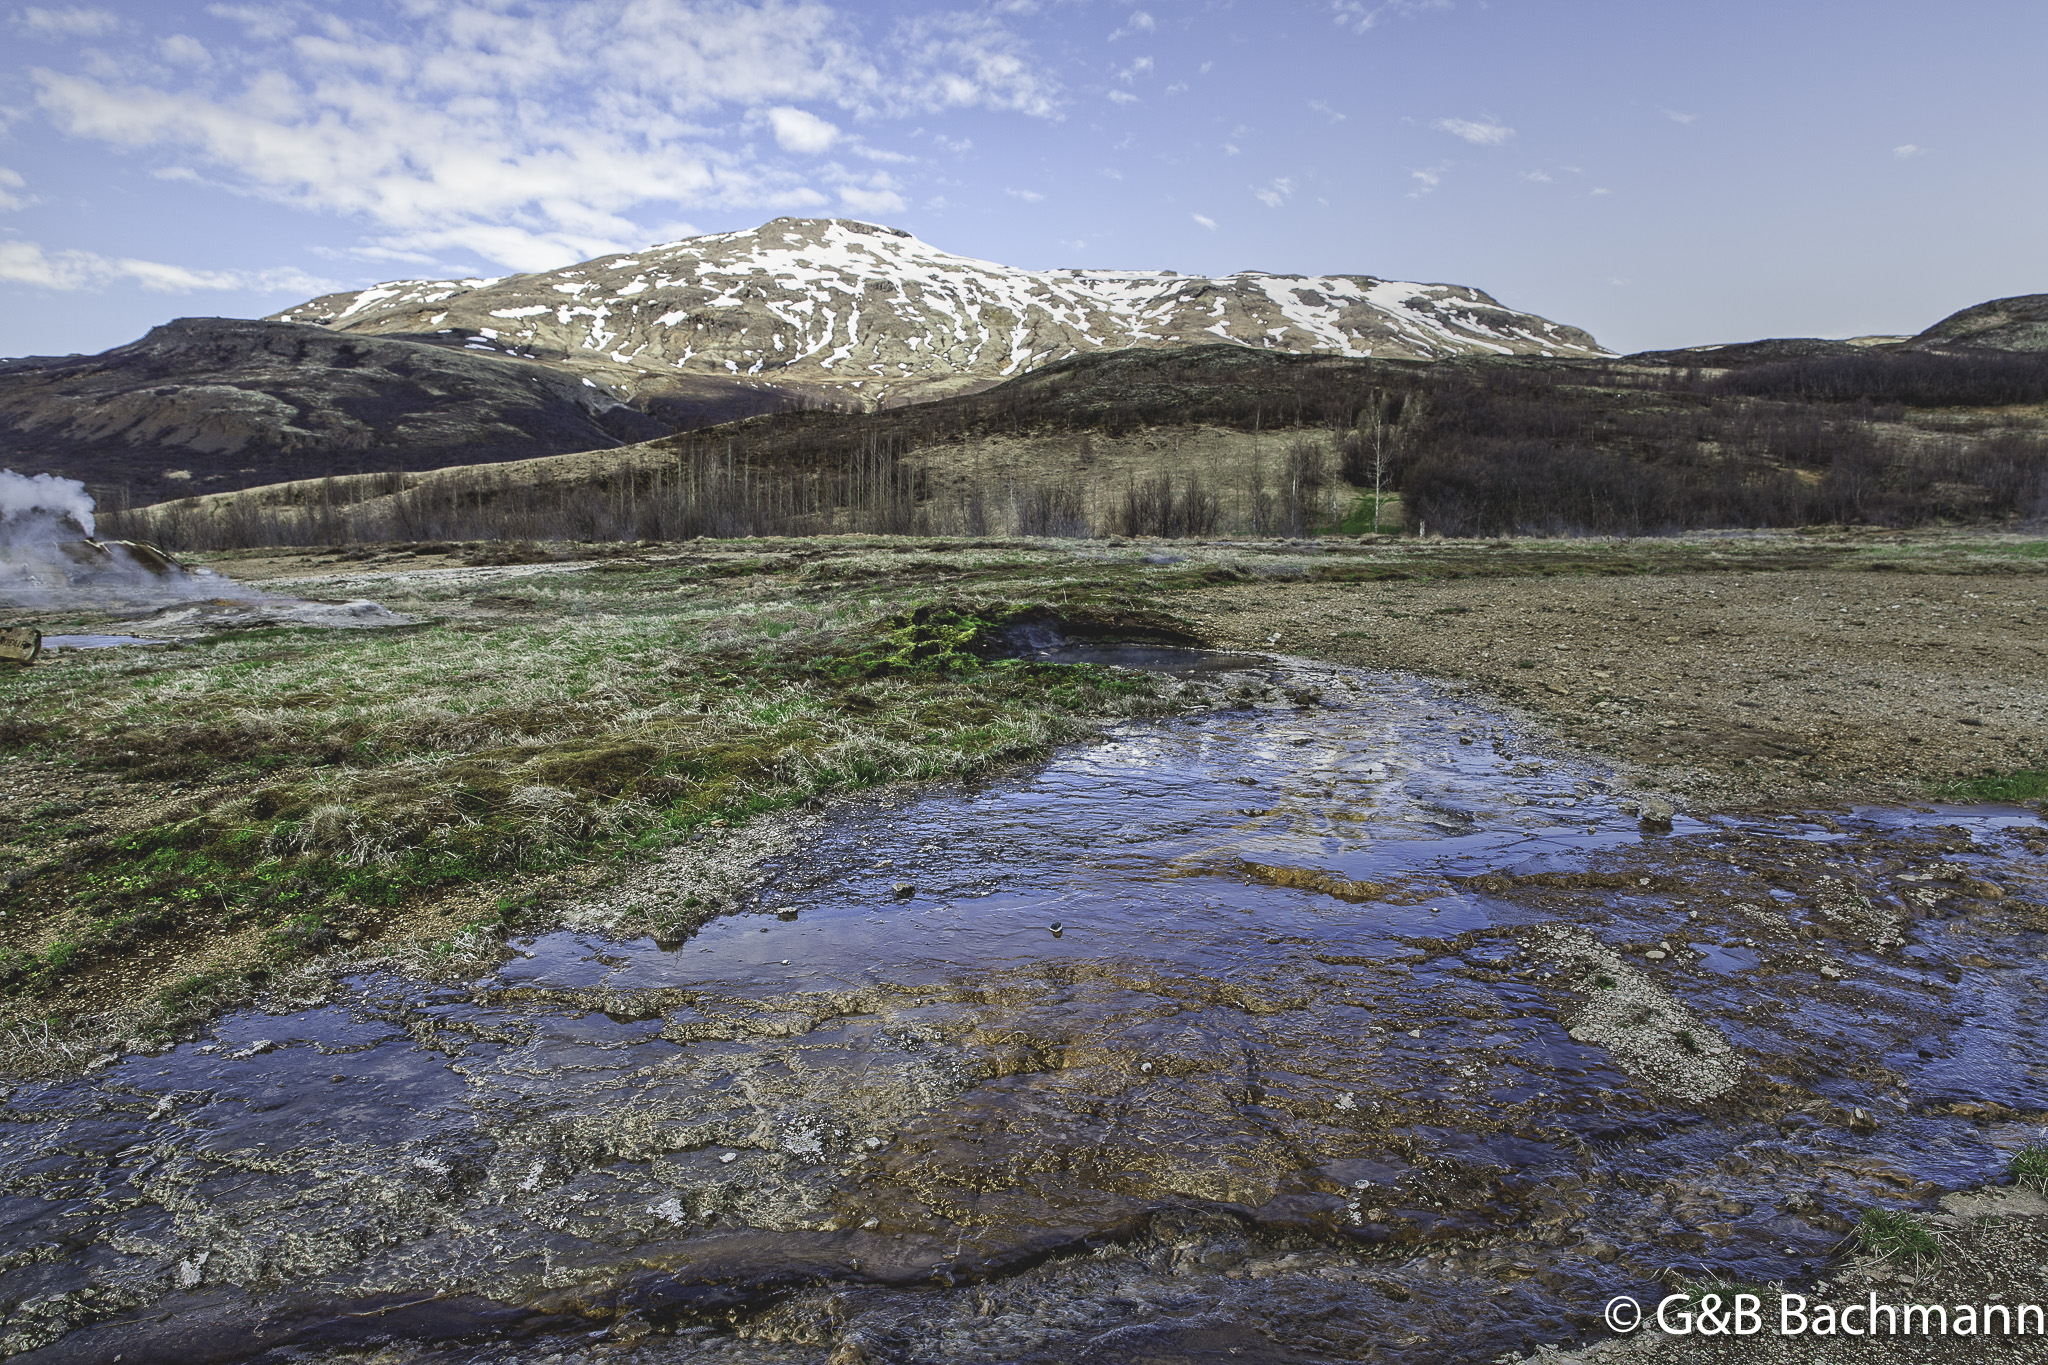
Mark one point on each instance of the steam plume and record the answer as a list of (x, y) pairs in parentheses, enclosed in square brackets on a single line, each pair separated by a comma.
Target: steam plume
[(49, 561)]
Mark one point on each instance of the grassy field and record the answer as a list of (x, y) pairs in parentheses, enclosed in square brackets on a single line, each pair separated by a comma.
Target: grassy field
[(181, 826), (240, 803)]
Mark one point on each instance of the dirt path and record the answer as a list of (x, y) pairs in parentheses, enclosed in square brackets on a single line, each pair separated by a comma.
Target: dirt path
[(1779, 688)]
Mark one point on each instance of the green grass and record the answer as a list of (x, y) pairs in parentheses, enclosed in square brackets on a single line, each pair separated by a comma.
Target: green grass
[(2010, 787), (345, 773), (2029, 1166), (1358, 521), (1894, 1235)]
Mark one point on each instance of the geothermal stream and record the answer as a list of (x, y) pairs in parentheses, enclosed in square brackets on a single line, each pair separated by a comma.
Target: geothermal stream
[(1344, 1023)]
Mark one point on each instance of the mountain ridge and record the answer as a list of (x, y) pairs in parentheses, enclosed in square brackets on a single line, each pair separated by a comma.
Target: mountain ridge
[(855, 312)]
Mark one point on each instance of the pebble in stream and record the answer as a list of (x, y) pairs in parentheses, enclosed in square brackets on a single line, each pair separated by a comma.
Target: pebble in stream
[(1405, 1049)]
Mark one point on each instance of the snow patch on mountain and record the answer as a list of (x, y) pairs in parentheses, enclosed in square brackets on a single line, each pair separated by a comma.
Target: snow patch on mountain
[(834, 302)]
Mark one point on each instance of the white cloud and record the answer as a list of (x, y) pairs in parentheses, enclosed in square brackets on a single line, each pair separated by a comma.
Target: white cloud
[(12, 188), (1598, 192), (1276, 193), (1122, 97), (866, 199), (1677, 117), (1139, 22), (27, 263), (1326, 111), (263, 22), (1232, 149), (1482, 132), (76, 22), (1204, 220), (1540, 177), (1360, 15), (185, 50), (1028, 196), (1426, 181), (797, 130), (953, 60), (1907, 150), (1136, 68), (1177, 88), (537, 134)]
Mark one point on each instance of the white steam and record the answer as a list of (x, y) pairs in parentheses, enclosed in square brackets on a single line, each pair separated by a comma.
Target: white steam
[(50, 562), (26, 498)]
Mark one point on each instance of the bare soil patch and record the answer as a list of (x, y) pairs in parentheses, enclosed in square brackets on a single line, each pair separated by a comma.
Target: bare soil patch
[(1788, 688)]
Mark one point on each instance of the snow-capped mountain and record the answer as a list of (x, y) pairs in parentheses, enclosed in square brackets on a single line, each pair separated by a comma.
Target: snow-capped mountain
[(867, 312)]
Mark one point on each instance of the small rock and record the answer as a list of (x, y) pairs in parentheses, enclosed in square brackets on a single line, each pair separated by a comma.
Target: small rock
[(631, 1327), (785, 912), (1656, 955), (1831, 973), (903, 891), (1861, 1122), (727, 1158), (1656, 815)]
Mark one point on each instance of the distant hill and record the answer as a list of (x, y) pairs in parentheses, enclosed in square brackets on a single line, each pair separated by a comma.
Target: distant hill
[(1735, 355), (2015, 324), (205, 404), (2018, 324), (870, 316), (1227, 439)]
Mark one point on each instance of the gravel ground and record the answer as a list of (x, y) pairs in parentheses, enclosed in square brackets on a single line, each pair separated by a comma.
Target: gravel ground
[(1776, 689)]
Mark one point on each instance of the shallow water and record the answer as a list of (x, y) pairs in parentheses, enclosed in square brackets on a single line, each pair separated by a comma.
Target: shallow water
[(53, 643), (1312, 1067)]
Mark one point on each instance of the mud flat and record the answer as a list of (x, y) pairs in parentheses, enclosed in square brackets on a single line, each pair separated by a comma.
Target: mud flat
[(1330, 1013)]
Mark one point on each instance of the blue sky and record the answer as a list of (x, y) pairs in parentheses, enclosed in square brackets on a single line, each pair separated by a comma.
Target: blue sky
[(1659, 174)]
